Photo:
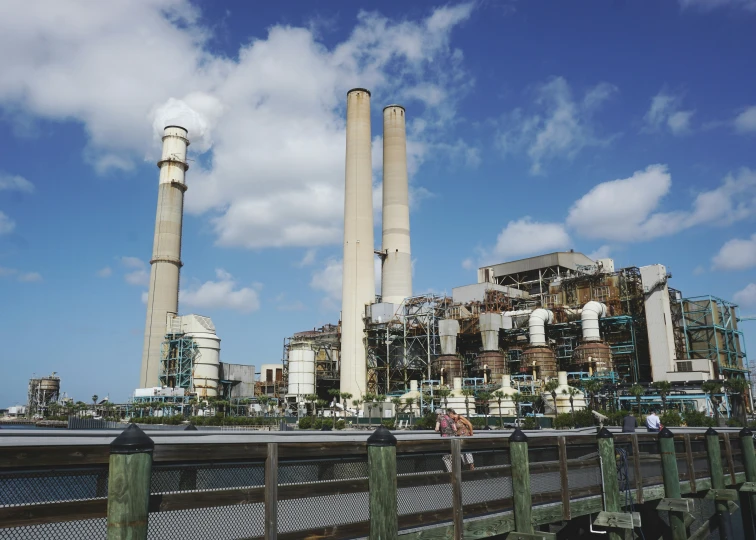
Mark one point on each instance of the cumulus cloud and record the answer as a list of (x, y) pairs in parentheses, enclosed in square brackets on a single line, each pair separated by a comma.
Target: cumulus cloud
[(736, 254), (7, 225), (137, 272), (14, 182), (23, 277), (556, 125), (626, 210), (525, 237), (468, 264), (746, 297), (308, 258), (666, 112), (709, 5), (327, 280), (105, 272), (224, 293), (745, 122), (269, 118), (603, 252)]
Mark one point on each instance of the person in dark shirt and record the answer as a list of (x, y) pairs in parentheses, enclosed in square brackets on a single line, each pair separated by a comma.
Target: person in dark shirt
[(629, 423)]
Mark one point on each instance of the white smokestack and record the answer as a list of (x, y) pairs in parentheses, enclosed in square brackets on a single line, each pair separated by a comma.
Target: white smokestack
[(396, 278), (166, 250), (358, 284)]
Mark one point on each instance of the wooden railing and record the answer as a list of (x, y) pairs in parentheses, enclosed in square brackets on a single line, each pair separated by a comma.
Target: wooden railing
[(349, 489)]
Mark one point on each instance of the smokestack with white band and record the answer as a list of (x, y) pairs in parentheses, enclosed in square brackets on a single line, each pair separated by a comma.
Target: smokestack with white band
[(166, 251), (396, 277), (358, 283)]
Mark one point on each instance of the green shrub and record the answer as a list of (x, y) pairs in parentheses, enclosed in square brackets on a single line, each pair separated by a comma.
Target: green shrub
[(340, 424), (426, 422), (734, 422), (671, 419), (317, 423), (478, 422), (698, 419), (326, 423), (529, 422), (390, 424), (584, 418), (305, 422), (563, 421)]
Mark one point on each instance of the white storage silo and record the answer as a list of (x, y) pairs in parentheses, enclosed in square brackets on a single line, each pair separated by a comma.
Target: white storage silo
[(301, 372), (205, 374)]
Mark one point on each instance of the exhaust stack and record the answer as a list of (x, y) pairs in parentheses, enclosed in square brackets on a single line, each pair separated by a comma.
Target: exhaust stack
[(396, 281), (165, 264), (358, 283)]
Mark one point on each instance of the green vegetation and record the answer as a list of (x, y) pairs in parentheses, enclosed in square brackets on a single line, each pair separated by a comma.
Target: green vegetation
[(529, 422), (671, 419)]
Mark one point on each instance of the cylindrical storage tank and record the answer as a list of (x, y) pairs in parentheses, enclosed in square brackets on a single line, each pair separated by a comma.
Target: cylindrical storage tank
[(206, 364), (544, 358), (301, 372), (492, 361), (596, 354), (451, 366)]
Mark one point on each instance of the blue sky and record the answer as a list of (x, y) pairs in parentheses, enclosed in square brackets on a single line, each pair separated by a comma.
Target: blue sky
[(624, 129)]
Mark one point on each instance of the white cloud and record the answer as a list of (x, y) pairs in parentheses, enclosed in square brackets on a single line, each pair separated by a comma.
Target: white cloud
[(699, 270), (526, 237), (603, 252), (745, 122), (138, 273), (747, 296), (558, 126), (626, 209), (709, 5), (468, 264), (30, 277), (328, 279), (14, 182), (7, 225), (665, 110), (736, 254), (221, 294), (23, 277), (270, 115), (309, 257), (105, 272)]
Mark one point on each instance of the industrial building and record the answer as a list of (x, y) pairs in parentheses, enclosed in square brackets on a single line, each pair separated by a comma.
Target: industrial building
[(43, 392), (556, 316)]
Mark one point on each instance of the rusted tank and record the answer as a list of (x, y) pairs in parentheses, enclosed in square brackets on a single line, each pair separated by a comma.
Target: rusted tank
[(451, 365), (494, 361), (596, 354), (544, 358)]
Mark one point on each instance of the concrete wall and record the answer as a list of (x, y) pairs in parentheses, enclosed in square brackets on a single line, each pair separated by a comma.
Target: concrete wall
[(239, 372)]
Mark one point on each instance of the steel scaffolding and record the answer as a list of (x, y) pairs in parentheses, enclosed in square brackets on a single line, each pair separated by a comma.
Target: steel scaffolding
[(177, 361)]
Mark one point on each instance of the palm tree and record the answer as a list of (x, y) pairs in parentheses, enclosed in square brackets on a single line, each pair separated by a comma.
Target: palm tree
[(739, 387), (312, 398), (345, 397), (637, 391), (263, 401), (370, 401), (517, 398), (551, 388), (572, 392), (663, 387), (322, 404), (356, 404), (499, 395), (711, 388), (592, 387), (409, 402), (485, 398), (444, 393), (397, 401), (381, 399), (94, 403), (468, 393), (334, 393)]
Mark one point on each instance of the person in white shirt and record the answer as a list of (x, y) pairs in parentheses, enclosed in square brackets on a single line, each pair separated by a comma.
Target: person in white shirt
[(653, 424)]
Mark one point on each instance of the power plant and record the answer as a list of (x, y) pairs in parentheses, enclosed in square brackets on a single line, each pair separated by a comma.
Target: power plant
[(560, 317)]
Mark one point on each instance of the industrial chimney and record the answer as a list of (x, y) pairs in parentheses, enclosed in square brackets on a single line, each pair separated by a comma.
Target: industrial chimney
[(396, 277), (166, 251), (358, 282)]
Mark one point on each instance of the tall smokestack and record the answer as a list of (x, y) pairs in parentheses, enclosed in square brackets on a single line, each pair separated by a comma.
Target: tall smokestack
[(358, 284), (396, 278), (166, 250)]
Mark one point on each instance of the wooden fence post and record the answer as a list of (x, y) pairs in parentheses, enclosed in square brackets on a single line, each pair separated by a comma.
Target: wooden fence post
[(456, 482), (271, 492), (714, 456), (612, 501), (748, 501), (129, 484), (384, 524), (518, 455), (671, 482)]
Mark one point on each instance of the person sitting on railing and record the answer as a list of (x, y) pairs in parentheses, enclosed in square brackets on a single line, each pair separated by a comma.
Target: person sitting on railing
[(444, 424), (464, 429), (653, 424)]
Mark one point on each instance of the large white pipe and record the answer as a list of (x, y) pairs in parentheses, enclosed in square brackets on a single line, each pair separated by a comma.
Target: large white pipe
[(589, 318), (358, 282), (162, 297), (539, 318), (396, 277)]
